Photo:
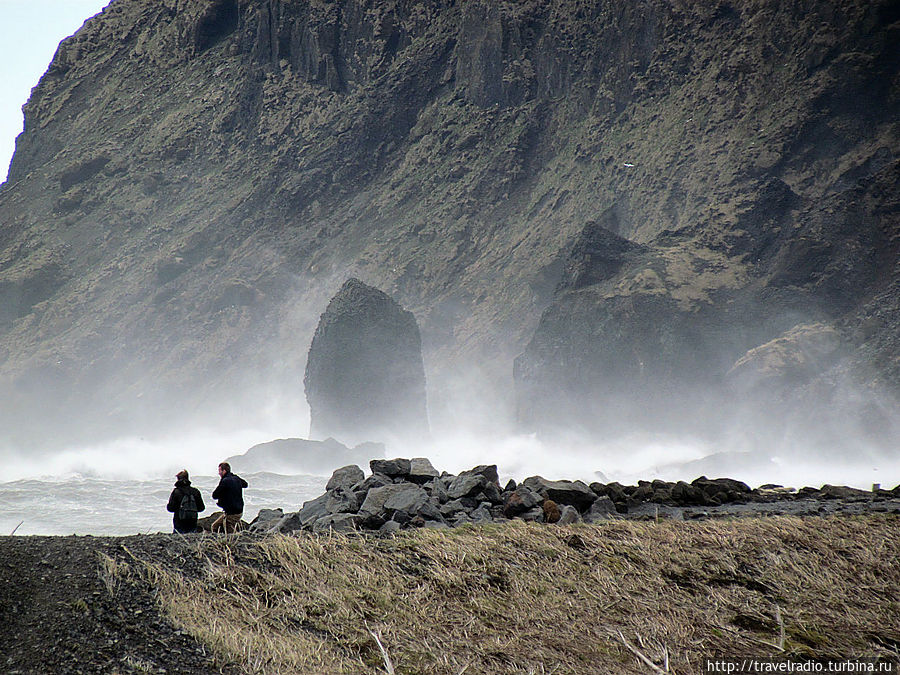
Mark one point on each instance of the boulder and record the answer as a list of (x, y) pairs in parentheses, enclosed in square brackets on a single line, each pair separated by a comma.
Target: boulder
[(346, 476), (573, 493), (365, 378), (488, 471), (601, 509), (289, 523), (312, 510), (643, 493), (431, 510), (613, 490), (466, 485), (453, 508), (521, 500), (376, 480), (685, 494), (408, 500), (341, 500), (728, 484), (482, 514), (491, 493), (374, 504), (421, 470), (438, 490), (390, 467)]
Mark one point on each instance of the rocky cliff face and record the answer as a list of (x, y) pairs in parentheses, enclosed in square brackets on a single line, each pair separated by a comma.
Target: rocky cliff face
[(196, 178)]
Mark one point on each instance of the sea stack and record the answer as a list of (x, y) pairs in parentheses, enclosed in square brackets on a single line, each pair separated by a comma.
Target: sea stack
[(365, 380)]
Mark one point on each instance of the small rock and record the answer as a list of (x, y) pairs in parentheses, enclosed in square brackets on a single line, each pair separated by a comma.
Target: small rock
[(568, 515), (436, 525), (452, 508), (437, 490), (576, 542), (390, 527), (337, 522), (482, 514)]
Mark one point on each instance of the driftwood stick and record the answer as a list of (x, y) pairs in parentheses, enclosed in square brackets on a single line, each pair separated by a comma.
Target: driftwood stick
[(388, 666), (634, 650)]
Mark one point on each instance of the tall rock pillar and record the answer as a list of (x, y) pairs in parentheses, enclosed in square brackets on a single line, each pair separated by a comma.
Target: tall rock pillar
[(365, 380)]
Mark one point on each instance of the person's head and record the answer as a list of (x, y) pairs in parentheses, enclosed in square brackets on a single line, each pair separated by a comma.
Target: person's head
[(224, 467), (182, 475)]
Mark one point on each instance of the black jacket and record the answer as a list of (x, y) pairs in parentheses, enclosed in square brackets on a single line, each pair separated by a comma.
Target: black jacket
[(182, 487), (229, 494)]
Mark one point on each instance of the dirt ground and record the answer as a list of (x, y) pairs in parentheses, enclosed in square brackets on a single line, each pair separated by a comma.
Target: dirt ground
[(58, 615)]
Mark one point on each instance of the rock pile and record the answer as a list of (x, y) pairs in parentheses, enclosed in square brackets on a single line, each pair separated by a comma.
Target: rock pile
[(405, 493)]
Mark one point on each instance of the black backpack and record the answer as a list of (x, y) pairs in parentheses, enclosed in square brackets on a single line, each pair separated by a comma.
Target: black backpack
[(187, 512)]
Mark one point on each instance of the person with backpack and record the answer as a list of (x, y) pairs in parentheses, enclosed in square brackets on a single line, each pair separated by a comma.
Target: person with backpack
[(230, 497), (185, 503)]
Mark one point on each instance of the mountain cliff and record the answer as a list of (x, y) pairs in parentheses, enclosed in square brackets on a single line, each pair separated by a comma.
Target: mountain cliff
[(628, 197)]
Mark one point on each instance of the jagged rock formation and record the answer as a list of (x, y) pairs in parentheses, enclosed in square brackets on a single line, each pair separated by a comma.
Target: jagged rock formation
[(364, 375), (195, 179)]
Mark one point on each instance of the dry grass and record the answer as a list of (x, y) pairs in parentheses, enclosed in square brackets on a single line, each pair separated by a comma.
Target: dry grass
[(622, 597)]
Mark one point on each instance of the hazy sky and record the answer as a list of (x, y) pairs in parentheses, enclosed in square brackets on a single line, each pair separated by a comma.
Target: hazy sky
[(30, 31)]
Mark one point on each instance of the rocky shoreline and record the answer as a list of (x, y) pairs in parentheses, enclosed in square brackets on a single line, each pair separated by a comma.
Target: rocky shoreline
[(409, 493)]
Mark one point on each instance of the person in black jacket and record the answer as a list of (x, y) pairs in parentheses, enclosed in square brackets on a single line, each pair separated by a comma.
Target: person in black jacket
[(185, 510), (230, 496)]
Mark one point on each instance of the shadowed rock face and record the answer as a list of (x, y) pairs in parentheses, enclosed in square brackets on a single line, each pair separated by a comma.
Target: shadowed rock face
[(364, 376), (195, 178)]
